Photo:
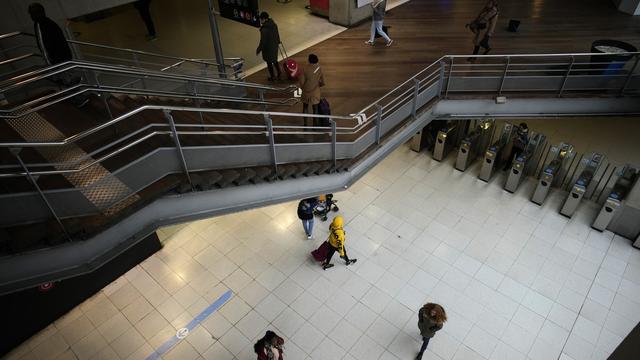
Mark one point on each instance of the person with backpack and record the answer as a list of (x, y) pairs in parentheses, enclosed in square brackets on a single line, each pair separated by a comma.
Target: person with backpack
[(337, 237), (269, 43), (305, 213), (378, 7), (269, 347), (431, 318), (310, 81), (483, 27)]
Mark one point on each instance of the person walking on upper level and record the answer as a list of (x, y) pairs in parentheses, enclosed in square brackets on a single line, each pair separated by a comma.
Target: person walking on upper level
[(377, 22), (143, 7), (483, 27), (50, 38), (305, 214), (269, 43), (431, 318), (337, 237), (310, 81)]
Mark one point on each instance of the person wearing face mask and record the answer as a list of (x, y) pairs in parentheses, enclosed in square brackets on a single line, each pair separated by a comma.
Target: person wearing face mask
[(483, 27), (431, 318)]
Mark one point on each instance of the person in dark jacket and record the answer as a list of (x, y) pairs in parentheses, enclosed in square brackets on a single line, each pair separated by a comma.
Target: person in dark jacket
[(143, 7), (431, 318), (305, 213), (483, 27), (520, 142), (269, 347), (50, 38), (269, 43)]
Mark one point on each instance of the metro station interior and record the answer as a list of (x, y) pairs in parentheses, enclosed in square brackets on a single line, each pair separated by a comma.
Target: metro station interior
[(151, 185)]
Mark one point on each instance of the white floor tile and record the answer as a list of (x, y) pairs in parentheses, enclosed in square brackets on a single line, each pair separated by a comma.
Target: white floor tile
[(481, 341), (307, 337)]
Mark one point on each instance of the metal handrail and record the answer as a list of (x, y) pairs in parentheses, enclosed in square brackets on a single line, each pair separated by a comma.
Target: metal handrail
[(15, 33), (417, 79), (18, 58), (44, 73), (146, 53)]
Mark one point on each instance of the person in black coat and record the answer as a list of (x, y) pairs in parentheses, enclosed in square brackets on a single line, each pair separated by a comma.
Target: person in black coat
[(143, 7), (269, 42), (50, 38)]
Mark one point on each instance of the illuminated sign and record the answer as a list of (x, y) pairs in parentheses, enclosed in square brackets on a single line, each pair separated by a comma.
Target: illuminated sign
[(244, 11)]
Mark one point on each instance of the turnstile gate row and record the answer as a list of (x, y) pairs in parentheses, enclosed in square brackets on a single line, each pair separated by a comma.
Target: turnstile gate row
[(584, 183), (623, 185), (448, 138)]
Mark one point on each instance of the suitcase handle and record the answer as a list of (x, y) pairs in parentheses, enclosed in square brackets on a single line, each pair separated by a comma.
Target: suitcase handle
[(283, 51)]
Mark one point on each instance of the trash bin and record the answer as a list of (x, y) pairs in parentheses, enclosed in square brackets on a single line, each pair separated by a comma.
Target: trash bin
[(610, 64)]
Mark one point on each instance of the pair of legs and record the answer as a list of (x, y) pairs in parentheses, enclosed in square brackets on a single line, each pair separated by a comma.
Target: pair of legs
[(308, 227), (480, 41), (327, 263), (425, 342), (376, 26), (515, 152), (314, 109), (145, 13), (270, 67)]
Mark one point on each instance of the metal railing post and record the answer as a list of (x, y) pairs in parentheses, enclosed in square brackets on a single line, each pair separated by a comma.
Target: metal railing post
[(272, 144), (378, 123), (136, 61), (628, 79), (566, 76), (416, 91), (194, 92), (334, 136), (176, 140), (33, 180), (261, 95), (504, 75), (441, 76), (446, 92)]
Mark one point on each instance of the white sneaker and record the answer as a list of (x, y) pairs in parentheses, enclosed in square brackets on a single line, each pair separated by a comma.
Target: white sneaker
[(369, 42), (389, 43), (308, 237)]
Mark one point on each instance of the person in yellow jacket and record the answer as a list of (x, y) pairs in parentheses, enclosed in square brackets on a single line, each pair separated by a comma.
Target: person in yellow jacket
[(336, 243)]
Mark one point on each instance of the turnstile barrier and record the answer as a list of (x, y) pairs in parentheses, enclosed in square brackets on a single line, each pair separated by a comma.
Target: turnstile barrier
[(448, 138), (558, 162), (471, 146), (526, 162), (626, 178), (494, 154), (583, 184)]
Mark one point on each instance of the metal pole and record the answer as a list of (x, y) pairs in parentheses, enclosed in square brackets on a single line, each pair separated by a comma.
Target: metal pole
[(416, 91), (333, 145), (446, 92), (442, 66), (566, 76), (33, 180), (626, 82), (272, 145), (504, 75), (215, 36), (378, 123), (136, 61), (169, 117)]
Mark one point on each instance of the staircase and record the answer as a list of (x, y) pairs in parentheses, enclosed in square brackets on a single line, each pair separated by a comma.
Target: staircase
[(152, 149)]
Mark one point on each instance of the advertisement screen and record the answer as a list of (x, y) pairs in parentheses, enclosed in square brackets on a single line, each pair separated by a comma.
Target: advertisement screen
[(244, 11)]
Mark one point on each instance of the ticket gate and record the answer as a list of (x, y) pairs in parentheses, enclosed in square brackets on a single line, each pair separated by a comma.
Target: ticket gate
[(448, 138), (524, 164), (475, 142), (626, 179), (584, 185), (494, 154), (554, 171)]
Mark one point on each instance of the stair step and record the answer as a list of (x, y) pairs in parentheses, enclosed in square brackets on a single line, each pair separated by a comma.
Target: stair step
[(228, 177)]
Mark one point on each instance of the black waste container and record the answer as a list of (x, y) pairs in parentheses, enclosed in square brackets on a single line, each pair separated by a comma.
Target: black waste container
[(610, 64)]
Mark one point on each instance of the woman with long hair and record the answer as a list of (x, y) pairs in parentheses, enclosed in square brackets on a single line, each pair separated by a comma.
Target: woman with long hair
[(269, 347), (431, 318)]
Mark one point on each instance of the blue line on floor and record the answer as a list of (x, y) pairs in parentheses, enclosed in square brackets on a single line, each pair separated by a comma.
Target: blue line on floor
[(190, 326)]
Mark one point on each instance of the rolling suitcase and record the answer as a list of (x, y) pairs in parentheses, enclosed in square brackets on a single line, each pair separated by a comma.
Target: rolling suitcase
[(320, 254), (289, 65)]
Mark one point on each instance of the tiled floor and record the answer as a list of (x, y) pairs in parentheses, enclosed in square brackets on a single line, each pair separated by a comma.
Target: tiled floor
[(518, 281)]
